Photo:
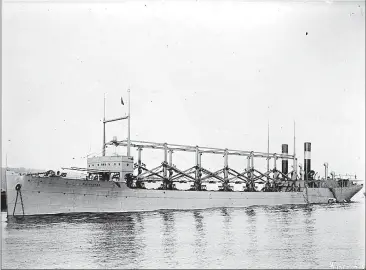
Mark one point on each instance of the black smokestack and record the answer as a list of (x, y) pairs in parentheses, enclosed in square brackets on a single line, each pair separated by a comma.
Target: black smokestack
[(307, 159), (284, 160)]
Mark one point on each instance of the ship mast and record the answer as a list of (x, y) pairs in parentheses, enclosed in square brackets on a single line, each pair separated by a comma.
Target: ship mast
[(295, 163), (268, 149), (103, 150), (129, 125), (6, 169), (118, 119), (294, 141)]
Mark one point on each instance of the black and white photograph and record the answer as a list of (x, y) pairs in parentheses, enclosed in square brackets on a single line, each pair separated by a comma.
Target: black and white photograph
[(183, 134)]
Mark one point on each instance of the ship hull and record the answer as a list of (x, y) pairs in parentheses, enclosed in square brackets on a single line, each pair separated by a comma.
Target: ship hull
[(56, 195)]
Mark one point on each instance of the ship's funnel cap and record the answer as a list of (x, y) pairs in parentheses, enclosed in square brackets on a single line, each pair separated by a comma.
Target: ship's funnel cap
[(285, 148), (307, 146)]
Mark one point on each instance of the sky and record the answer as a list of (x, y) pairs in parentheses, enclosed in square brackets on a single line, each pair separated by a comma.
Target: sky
[(207, 73)]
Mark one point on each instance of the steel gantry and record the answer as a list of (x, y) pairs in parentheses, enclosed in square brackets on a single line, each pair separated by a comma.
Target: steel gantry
[(169, 173)]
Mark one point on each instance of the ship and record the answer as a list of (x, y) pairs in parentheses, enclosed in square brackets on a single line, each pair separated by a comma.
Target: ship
[(115, 183)]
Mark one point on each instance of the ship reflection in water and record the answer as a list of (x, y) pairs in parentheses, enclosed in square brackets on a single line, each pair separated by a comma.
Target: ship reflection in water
[(253, 237)]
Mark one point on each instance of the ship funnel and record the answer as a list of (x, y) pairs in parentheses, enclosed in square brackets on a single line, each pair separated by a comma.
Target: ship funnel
[(307, 159), (284, 160)]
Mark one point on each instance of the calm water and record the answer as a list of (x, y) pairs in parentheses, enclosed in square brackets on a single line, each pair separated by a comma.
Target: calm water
[(327, 236)]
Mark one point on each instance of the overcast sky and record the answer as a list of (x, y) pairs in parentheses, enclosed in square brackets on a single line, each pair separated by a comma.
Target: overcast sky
[(208, 73)]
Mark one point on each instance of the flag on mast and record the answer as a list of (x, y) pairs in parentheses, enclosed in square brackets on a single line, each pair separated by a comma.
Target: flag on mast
[(122, 101)]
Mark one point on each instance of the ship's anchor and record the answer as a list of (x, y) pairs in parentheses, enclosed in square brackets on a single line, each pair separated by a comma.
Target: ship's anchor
[(19, 193)]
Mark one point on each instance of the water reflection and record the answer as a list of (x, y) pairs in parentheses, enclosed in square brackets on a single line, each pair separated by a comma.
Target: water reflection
[(285, 232), (115, 237), (117, 241), (252, 237), (168, 235), (227, 232), (200, 235), (291, 233), (308, 245), (251, 229)]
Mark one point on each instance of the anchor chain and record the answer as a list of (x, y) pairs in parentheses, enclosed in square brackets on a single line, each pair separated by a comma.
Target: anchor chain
[(19, 193)]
